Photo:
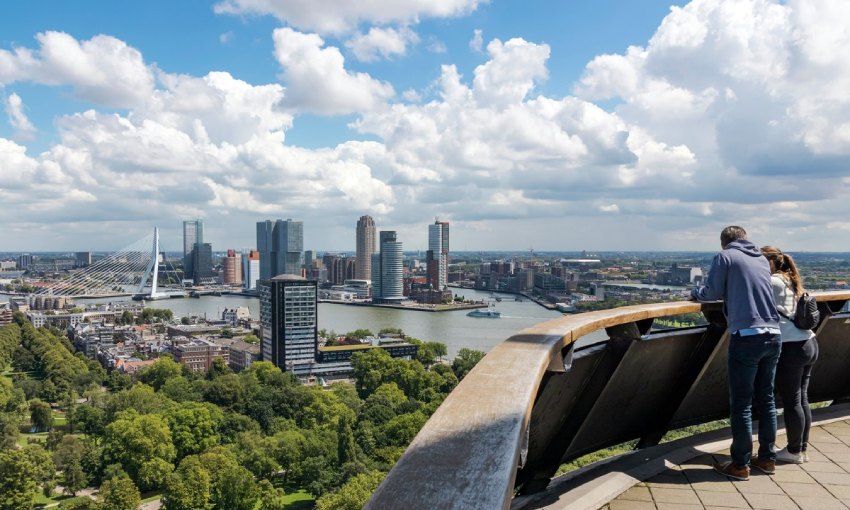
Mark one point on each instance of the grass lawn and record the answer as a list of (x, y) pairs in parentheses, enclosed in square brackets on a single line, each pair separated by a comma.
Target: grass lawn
[(147, 497), (299, 500), (41, 501), (295, 501)]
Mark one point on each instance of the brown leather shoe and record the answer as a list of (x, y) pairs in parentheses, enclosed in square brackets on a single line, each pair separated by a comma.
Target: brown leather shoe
[(732, 471), (767, 467)]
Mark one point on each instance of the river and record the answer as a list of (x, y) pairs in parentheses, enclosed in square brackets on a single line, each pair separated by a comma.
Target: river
[(454, 329)]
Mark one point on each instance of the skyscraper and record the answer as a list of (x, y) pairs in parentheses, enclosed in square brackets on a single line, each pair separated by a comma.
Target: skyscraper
[(387, 269), (232, 266), (280, 245), (438, 251), (82, 259), (251, 269), (201, 262), (193, 233), (365, 247), (288, 322)]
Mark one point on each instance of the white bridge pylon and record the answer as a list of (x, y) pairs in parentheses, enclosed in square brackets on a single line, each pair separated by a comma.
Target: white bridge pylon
[(152, 271)]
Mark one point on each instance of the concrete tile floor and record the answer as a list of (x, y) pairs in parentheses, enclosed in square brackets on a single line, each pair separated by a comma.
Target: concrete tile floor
[(821, 484)]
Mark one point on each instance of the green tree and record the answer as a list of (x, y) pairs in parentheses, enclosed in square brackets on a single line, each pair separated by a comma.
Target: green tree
[(465, 360), (159, 372), (353, 495), (251, 339), (119, 493), (68, 459), (88, 419), (359, 334), (188, 488), (17, 480), (272, 498), (256, 453), (401, 430), (9, 430), (218, 369), (74, 478), (140, 441), (44, 469), (140, 398), (180, 389), (41, 416), (127, 317), (194, 427), (346, 449)]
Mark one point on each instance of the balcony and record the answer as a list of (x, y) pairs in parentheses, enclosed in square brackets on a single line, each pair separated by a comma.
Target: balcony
[(541, 399)]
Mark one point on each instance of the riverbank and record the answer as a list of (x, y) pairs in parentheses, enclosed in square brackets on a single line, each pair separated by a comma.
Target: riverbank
[(413, 306), (545, 304)]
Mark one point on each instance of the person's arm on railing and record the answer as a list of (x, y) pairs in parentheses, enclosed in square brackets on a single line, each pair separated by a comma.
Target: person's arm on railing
[(715, 285)]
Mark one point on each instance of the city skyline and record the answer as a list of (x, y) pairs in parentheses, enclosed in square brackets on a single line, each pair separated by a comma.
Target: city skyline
[(547, 124)]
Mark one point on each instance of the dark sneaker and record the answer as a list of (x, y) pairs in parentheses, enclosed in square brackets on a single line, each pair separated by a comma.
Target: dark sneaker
[(767, 467), (732, 471)]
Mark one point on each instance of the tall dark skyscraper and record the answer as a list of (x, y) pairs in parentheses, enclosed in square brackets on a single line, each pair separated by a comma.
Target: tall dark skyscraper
[(365, 247), (288, 321), (281, 246), (201, 258)]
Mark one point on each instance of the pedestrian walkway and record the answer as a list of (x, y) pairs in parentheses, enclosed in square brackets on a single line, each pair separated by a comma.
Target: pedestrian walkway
[(821, 484)]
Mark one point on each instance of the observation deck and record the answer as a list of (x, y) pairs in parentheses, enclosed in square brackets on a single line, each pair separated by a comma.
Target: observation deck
[(540, 399)]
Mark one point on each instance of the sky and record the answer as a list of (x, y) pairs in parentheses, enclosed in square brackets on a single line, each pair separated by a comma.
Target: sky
[(553, 125)]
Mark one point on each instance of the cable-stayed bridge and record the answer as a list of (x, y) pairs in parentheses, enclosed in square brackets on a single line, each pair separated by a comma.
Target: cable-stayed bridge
[(138, 270)]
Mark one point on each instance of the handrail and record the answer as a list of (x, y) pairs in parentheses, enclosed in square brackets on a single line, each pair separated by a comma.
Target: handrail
[(467, 454)]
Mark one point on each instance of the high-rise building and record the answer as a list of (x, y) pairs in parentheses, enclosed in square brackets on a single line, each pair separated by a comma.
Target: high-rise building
[(232, 268), (365, 247), (251, 269), (193, 233), (438, 247), (24, 261), (82, 259), (387, 269), (309, 256), (281, 246), (201, 262), (288, 322)]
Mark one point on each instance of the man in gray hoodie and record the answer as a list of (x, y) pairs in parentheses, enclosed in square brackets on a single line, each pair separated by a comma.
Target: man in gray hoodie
[(740, 276)]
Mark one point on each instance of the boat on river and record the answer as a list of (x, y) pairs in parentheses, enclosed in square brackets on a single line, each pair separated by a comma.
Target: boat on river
[(489, 314)]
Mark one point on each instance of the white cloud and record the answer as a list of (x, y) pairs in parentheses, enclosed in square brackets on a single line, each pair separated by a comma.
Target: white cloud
[(476, 44), (381, 43), (435, 45), (334, 17), (732, 112), (511, 72), (757, 87), (17, 118), (316, 78), (226, 37), (103, 69)]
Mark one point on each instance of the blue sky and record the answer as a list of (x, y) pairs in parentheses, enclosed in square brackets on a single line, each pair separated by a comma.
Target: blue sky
[(616, 124), (187, 40)]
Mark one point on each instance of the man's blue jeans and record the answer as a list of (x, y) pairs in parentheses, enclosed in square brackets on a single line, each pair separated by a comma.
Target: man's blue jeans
[(752, 368)]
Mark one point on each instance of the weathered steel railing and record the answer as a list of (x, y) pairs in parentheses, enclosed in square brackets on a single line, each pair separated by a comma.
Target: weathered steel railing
[(537, 400)]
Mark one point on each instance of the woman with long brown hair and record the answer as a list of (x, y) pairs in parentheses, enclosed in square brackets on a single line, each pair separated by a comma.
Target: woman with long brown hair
[(799, 353)]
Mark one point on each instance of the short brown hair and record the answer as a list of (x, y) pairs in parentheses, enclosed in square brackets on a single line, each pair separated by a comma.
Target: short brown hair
[(732, 233)]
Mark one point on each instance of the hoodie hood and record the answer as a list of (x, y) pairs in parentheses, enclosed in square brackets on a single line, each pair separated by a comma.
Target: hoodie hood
[(744, 246)]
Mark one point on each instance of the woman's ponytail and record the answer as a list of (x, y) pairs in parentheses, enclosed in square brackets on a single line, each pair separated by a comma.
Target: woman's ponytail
[(784, 264)]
